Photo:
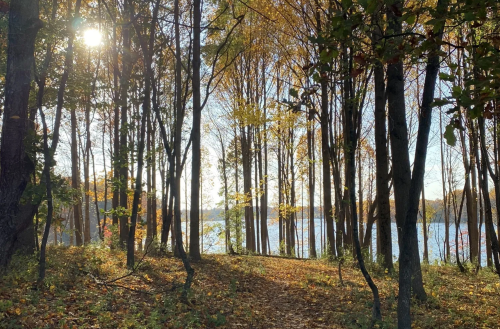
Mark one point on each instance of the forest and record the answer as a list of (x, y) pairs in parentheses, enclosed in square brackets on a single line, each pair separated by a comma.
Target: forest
[(249, 163)]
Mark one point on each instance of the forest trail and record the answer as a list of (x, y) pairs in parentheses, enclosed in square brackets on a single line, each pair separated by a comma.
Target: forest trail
[(230, 292)]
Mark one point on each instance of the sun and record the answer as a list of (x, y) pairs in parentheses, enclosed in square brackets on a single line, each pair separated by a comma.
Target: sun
[(92, 37)]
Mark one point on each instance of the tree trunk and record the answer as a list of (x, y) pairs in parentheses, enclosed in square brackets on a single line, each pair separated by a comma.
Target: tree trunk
[(424, 224), (384, 236), (351, 184), (75, 181), (124, 150), (445, 196), (50, 206), (246, 156), (410, 275), (149, 217), (86, 171), (483, 177), (140, 163), (194, 242), (311, 183)]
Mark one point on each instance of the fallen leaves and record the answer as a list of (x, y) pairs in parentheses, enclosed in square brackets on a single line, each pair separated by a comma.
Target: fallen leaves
[(231, 292)]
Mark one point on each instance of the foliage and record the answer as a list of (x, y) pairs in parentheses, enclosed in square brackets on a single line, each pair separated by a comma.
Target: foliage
[(228, 292)]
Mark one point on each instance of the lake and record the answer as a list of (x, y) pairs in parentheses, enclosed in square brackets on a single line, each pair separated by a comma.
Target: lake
[(213, 239)]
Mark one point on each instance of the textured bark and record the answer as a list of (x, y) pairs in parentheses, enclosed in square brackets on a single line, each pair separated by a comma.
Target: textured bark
[(194, 242), (327, 184), (149, 217), (350, 150), (86, 172), (257, 209), (402, 176), (263, 197), (424, 224), (409, 273), (483, 177), (246, 156), (445, 198), (384, 237), (124, 128), (311, 183), (75, 182), (50, 206), (115, 202)]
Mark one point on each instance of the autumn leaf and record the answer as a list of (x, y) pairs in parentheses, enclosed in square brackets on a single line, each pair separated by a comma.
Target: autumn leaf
[(356, 72)]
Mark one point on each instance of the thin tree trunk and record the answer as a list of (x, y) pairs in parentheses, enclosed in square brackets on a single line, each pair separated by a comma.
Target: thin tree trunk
[(311, 183), (424, 224), (75, 181), (445, 196), (50, 204), (124, 128)]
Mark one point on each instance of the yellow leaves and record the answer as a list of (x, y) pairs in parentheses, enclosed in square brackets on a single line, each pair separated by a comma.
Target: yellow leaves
[(17, 311)]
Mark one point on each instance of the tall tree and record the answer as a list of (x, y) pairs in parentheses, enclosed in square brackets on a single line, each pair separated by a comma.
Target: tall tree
[(402, 176), (384, 237), (16, 166), (409, 273)]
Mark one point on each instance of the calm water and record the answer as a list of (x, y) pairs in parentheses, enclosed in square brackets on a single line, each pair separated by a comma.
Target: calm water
[(213, 239)]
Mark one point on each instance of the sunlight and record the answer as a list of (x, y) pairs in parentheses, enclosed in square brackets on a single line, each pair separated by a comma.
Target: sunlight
[(92, 37)]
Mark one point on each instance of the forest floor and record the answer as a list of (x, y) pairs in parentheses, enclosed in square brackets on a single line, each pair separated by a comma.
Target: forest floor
[(81, 291)]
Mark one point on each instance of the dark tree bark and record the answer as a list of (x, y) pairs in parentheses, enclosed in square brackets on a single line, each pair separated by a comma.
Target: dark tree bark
[(424, 224), (16, 167), (483, 178), (311, 183), (50, 204), (75, 181), (149, 217), (194, 242), (175, 186), (124, 128), (445, 198), (402, 176), (140, 163), (246, 156), (409, 273), (263, 175), (325, 149), (350, 151), (384, 237)]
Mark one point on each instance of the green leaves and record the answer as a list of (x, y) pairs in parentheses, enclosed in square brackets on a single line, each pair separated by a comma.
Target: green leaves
[(294, 93), (440, 102), (469, 16), (410, 20), (449, 134), (446, 77)]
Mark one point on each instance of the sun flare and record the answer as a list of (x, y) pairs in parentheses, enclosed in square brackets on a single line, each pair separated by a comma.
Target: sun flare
[(92, 37)]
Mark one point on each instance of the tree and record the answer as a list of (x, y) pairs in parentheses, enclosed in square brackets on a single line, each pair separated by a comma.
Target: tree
[(409, 258), (16, 166)]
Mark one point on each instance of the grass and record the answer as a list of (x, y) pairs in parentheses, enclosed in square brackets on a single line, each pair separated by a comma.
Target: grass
[(231, 292)]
